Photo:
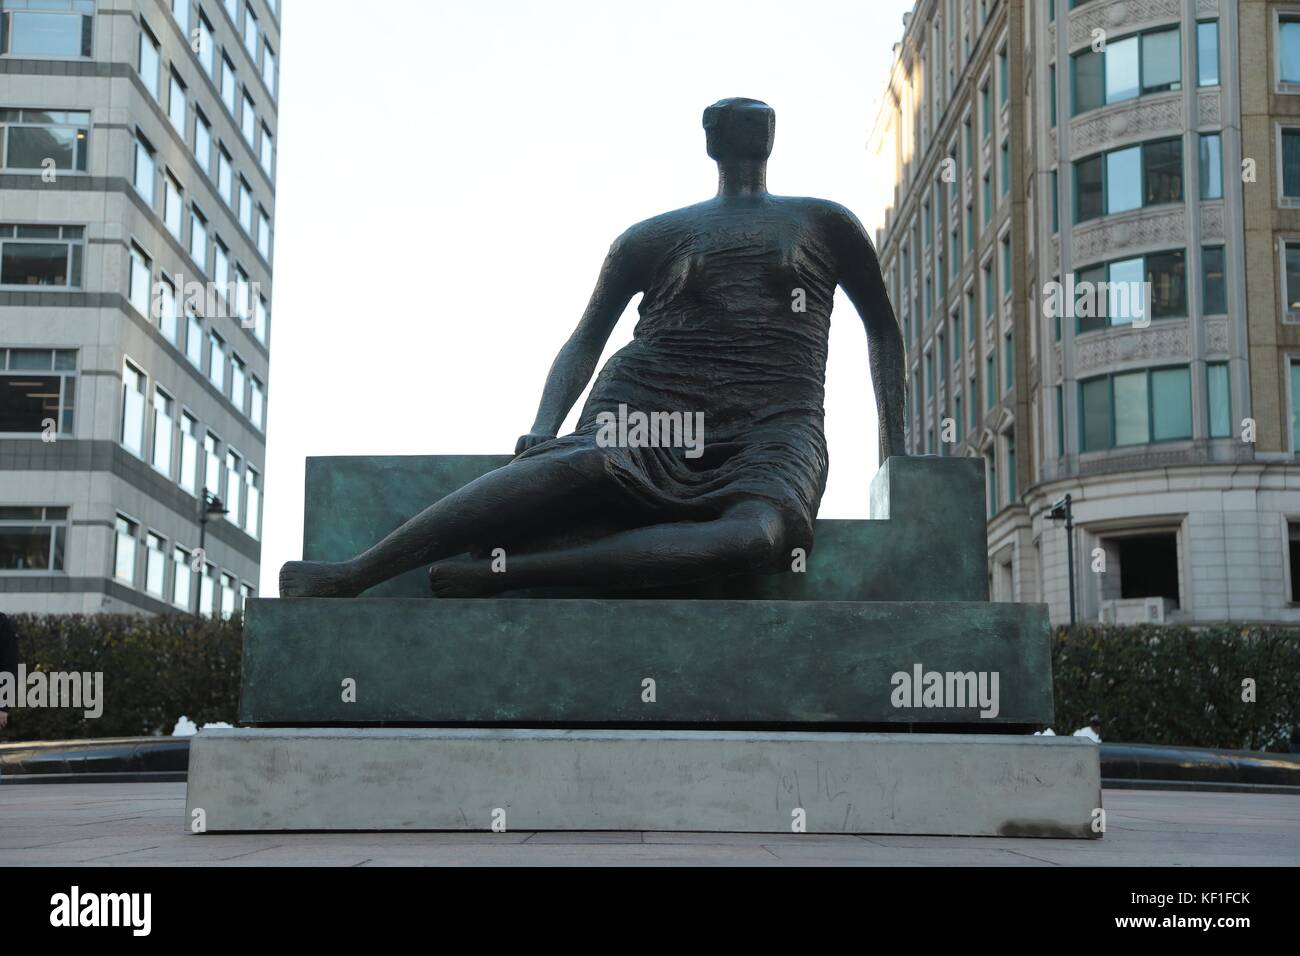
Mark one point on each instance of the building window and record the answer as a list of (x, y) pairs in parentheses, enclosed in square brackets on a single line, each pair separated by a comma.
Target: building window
[(176, 104), (991, 464), (181, 13), (31, 139), (261, 315), (248, 120), (1005, 166), (251, 35), (155, 565), (182, 580), (1012, 491), (1288, 49), (145, 170), (1128, 68), (1214, 292), (986, 194), (238, 381), (1006, 265), (217, 362), (246, 594), (253, 502), (229, 589), (207, 590), (1056, 206), (203, 142), (1220, 399), (207, 47), (1148, 565), (243, 308), (232, 10), (264, 236), (1291, 280), (1291, 163), (1207, 53), (1124, 296), (1211, 166), (173, 206), (990, 382), (221, 267), (986, 111), (1295, 408), (199, 239), (168, 315), (257, 403), (133, 402), (124, 551), (225, 177), (1051, 95), (140, 280), (189, 476), (49, 257), (38, 391), (234, 486), (163, 423), (1008, 363), (269, 68), (245, 206), (148, 61), (1149, 174), (228, 84), (211, 464), (46, 28), (1136, 408), (193, 338), (267, 153), (32, 539), (1004, 77)]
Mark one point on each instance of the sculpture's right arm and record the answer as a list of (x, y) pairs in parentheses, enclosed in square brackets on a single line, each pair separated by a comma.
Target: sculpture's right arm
[(573, 367)]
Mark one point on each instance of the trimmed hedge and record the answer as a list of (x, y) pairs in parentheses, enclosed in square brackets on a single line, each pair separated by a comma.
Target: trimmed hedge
[(1169, 684), (156, 670), (1150, 684)]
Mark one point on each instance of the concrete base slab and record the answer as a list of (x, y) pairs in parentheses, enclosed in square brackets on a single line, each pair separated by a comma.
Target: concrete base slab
[(617, 780)]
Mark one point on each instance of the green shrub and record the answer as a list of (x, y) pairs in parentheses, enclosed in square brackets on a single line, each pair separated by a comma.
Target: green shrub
[(1166, 684), (156, 669)]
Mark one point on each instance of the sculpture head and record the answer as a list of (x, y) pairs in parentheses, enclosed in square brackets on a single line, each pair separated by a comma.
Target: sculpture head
[(739, 129)]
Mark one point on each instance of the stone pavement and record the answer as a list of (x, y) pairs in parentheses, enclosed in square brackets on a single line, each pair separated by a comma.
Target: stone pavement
[(142, 824)]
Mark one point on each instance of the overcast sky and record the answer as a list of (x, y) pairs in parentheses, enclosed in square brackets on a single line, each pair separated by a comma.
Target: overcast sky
[(451, 174)]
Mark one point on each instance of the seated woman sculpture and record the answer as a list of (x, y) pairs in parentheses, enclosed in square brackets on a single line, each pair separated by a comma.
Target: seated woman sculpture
[(734, 322)]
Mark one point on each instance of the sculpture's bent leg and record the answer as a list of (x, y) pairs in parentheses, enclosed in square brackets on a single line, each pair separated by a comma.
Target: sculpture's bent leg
[(499, 507), (744, 539)]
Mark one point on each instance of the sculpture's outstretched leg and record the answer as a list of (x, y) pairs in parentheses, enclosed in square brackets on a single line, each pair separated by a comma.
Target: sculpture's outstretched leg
[(746, 538), (485, 514)]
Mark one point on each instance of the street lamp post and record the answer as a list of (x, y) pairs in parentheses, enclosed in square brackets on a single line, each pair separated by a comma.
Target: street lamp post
[(211, 506), (1062, 510)]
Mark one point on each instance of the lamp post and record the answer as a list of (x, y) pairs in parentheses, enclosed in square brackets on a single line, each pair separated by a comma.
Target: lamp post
[(211, 506), (1062, 510)]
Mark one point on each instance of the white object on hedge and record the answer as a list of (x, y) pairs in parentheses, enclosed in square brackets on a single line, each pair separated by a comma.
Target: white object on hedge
[(187, 728)]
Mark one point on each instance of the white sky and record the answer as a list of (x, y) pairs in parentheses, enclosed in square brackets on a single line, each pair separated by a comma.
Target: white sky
[(451, 174)]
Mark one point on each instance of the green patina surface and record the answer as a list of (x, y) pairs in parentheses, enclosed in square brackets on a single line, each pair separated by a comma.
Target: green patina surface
[(583, 661), (925, 540)]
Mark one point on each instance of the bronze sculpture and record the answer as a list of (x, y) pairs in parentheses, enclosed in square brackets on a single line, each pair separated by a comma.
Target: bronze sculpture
[(734, 323)]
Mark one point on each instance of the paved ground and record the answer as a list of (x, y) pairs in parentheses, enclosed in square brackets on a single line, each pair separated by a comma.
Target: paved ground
[(142, 824)]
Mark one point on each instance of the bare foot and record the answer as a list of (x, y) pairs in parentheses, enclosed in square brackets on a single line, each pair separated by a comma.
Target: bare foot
[(317, 579), (464, 578)]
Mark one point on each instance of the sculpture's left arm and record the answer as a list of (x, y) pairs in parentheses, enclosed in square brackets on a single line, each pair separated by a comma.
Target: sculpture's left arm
[(858, 274)]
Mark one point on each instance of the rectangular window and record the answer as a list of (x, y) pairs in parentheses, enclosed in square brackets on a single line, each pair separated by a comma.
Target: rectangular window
[(1291, 163), (1207, 53), (1060, 422), (269, 68), (1122, 70), (267, 152), (155, 565), (1128, 68), (133, 398), (1291, 279), (1012, 490), (1288, 49), (124, 550), (986, 189), (211, 464), (199, 239), (1008, 363), (1005, 166), (986, 112), (141, 280), (32, 139), (203, 142), (145, 170), (49, 257), (257, 403), (228, 84), (221, 267), (207, 591), (246, 206), (243, 308), (225, 177), (238, 381), (1162, 172), (173, 206), (33, 539), (1056, 206), (163, 424), (253, 502), (1220, 401), (248, 119), (264, 234), (189, 476), (193, 339), (1214, 292), (1136, 408), (229, 590), (46, 28), (234, 487), (207, 48), (990, 382), (1006, 265), (181, 13), (1148, 174), (217, 362), (176, 104), (38, 391), (990, 292), (261, 314), (1123, 182), (1004, 77), (165, 295), (1167, 273), (1162, 65), (1051, 95), (148, 61), (251, 35), (1211, 166), (182, 579), (1295, 408), (1089, 190), (232, 10)]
